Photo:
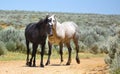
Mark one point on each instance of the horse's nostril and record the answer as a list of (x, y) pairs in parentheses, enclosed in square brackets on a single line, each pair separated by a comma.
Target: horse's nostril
[(51, 34)]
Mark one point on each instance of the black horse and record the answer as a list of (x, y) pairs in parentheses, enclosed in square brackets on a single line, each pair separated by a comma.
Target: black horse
[(36, 33)]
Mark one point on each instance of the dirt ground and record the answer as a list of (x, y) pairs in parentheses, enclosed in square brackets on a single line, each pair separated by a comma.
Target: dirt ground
[(87, 66)]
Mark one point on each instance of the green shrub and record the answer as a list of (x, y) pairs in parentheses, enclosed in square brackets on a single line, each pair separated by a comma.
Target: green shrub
[(94, 49), (115, 66), (104, 48), (1, 28), (108, 60), (116, 71), (11, 46), (82, 47), (20, 46), (13, 38), (3, 49), (113, 57), (8, 34)]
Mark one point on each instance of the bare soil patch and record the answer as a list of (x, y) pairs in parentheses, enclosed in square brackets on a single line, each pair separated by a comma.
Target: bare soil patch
[(87, 66)]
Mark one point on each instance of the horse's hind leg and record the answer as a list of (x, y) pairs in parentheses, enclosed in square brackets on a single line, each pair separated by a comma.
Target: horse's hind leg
[(33, 55), (69, 50), (28, 51), (61, 51), (77, 50)]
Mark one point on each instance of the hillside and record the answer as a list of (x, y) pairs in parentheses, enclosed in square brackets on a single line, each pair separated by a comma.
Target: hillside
[(21, 18), (95, 28)]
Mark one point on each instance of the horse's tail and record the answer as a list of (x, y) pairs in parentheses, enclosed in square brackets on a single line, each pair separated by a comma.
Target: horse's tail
[(28, 25), (77, 30), (78, 33), (76, 27)]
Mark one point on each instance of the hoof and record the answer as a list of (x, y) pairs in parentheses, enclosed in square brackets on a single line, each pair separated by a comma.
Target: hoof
[(78, 61), (61, 61), (42, 65), (67, 63), (47, 63), (34, 65), (29, 64)]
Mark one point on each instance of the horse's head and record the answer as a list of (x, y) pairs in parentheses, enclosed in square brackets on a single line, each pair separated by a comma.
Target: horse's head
[(49, 26), (52, 22)]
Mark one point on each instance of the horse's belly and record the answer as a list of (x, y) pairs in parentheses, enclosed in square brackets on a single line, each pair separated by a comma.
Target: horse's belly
[(54, 40)]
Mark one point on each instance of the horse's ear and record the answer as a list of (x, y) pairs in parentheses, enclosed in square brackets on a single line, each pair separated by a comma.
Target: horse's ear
[(47, 15), (54, 15)]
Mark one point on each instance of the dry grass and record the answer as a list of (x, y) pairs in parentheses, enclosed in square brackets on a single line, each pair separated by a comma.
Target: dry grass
[(20, 56)]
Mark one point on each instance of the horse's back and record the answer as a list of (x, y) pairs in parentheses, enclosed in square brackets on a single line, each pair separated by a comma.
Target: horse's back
[(70, 28), (70, 25), (29, 26), (30, 32)]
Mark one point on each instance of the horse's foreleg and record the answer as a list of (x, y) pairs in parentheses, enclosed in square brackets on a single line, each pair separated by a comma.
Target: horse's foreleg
[(61, 51), (49, 53), (34, 54), (42, 54), (69, 51), (28, 51)]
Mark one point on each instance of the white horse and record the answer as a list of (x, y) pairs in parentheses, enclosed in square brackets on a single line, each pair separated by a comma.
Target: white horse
[(63, 34)]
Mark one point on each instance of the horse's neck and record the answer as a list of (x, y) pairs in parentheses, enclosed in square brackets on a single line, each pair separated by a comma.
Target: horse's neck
[(41, 27), (59, 30), (41, 24), (58, 26)]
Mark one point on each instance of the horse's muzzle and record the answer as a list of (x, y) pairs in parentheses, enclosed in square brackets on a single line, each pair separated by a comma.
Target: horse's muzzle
[(50, 34)]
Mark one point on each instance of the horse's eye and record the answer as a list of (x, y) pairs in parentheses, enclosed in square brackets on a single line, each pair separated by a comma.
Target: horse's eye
[(53, 20), (49, 20)]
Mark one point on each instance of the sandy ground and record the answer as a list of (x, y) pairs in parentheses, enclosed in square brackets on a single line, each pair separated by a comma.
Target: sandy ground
[(87, 66)]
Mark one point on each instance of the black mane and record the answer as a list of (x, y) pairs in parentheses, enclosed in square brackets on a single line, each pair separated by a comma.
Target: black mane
[(41, 23)]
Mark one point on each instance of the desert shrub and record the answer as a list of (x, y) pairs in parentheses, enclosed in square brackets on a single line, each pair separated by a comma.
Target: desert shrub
[(82, 47), (101, 30), (115, 65), (11, 46), (108, 60), (3, 49), (20, 46), (13, 39), (103, 47), (113, 57), (9, 34), (94, 49), (1, 28)]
